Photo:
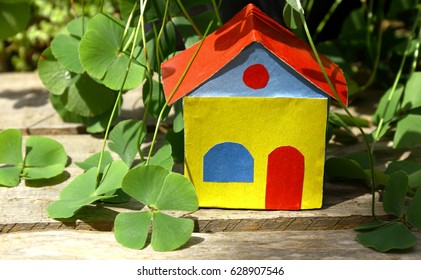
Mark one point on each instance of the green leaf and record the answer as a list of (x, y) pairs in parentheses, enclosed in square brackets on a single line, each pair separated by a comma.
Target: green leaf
[(81, 187), (177, 193), (59, 102), (177, 144), (178, 123), (102, 57), (124, 139), (10, 175), (389, 237), (395, 193), (372, 226), (408, 132), (88, 98), (413, 213), (158, 189), (65, 46), (170, 233), (82, 190), (344, 168), (156, 98), (62, 209), (74, 196), (65, 49), (45, 158), (296, 5), (291, 17), (131, 229), (412, 98), (163, 157), (11, 147), (93, 161), (188, 34), (112, 177), (98, 124), (412, 169), (388, 106), (14, 17), (53, 75), (144, 183)]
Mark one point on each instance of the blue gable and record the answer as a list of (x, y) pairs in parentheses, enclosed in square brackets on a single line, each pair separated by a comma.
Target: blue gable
[(283, 81)]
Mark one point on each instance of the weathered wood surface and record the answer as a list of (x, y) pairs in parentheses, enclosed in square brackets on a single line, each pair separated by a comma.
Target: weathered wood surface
[(292, 245), (26, 232)]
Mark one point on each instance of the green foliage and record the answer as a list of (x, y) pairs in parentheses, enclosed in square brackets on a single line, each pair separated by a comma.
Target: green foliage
[(14, 16), (89, 66), (125, 139), (103, 56), (44, 158), (85, 189), (385, 238), (160, 190)]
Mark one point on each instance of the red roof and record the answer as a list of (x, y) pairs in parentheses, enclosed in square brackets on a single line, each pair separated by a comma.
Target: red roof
[(248, 26)]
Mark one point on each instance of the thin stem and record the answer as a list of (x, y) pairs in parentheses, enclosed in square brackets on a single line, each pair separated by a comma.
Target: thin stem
[(186, 14), (367, 143), (175, 90), (83, 17), (126, 30), (397, 78), (309, 6), (72, 3), (102, 6), (417, 49), (149, 73), (216, 9), (378, 50), (116, 104), (326, 18)]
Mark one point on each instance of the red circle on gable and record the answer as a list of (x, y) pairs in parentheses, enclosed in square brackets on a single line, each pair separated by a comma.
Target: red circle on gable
[(256, 76)]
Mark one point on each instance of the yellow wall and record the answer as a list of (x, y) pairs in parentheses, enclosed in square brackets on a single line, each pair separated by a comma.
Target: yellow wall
[(261, 125)]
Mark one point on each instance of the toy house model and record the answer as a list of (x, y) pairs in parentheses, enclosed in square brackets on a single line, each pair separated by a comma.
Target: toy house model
[(255, 112)]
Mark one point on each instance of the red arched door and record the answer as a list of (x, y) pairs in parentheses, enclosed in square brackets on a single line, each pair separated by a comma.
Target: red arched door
[(285, 177)]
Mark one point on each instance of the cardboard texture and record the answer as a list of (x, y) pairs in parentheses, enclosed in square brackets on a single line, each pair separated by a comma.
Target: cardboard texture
[(255, 112)]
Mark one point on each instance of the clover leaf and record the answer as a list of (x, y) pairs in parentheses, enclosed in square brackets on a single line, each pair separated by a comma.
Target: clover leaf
[(160, 190), (83, 190), (44, 158)]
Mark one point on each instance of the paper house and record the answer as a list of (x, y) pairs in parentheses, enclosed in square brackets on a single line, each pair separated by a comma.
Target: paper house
[(255, 111)]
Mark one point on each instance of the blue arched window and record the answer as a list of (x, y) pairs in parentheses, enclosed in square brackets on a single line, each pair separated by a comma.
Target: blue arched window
[(228, 162)]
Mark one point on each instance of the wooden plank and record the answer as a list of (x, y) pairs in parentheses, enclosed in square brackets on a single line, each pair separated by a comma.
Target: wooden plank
[(25, 105), (294, 245)]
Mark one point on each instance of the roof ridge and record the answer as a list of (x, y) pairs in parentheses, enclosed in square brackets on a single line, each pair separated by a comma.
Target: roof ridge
[(224, 44)]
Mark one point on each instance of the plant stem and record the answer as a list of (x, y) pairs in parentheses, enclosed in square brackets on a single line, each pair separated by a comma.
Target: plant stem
[(126, 30), (216, 9), (149, 77), (72, 3), (326, 18), (378, 50), (175, 90), (367, 143), (186, 14), (83, 17), (398, 76), (116, 104), (417, 47)]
